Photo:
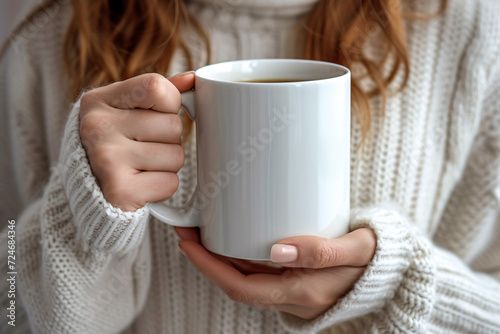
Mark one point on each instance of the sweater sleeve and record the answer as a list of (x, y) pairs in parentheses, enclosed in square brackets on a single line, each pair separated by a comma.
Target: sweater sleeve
[(90, 272), (83, 266)]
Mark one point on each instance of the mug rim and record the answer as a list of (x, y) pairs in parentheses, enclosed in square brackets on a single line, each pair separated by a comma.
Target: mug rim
[(200, 73)]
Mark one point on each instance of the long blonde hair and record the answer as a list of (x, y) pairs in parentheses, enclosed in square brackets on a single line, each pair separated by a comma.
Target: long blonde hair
[(109, 41)]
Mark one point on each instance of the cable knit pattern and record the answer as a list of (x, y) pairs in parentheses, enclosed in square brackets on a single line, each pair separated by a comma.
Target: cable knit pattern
[(427, 183)]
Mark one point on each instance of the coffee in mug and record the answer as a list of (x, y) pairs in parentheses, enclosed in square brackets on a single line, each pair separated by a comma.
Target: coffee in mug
[(273, 80)]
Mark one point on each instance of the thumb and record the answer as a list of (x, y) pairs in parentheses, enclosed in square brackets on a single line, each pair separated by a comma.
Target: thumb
[(183, 81), (353, 249)]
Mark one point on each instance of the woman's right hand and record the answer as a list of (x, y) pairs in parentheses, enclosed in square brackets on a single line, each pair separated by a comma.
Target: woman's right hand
[(132, 134)]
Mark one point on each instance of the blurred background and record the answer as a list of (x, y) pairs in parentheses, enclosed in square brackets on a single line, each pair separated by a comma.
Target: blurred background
[(11, 12)]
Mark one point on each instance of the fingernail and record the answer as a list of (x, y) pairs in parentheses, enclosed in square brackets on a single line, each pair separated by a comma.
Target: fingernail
[(283, 253), (183, 73), (182, 250)]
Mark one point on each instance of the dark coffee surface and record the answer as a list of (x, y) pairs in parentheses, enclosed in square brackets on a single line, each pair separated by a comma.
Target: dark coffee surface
[(274, 80)]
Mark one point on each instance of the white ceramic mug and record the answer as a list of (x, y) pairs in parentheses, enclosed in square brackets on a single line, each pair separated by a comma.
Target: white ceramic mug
[(273, 158)]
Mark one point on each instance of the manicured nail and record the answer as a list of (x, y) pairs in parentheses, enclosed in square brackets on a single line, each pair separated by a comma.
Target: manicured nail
[(183, 73), (182, 250), (283, 253)]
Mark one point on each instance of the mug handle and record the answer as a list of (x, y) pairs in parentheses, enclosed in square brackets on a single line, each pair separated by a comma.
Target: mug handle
[(187, 215)]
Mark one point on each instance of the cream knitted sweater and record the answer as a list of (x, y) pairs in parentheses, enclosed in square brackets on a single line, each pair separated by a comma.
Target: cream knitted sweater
[(428, 184)]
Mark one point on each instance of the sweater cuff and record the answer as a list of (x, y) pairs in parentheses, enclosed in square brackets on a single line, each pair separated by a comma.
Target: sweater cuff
[(383, 287), (100, 226)]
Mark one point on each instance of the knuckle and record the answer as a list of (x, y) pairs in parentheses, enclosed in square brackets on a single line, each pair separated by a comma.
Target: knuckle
[(313, 298), (87, 124), (154, 81), (236, 294), (277, 296), (325, 255), (322, 300), (103, 158), (94, 125), (117, 191), (87, 101), (159, 88), (171, 94)]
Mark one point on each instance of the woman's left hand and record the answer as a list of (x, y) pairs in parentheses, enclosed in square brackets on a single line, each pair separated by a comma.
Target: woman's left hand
[(315, 272)]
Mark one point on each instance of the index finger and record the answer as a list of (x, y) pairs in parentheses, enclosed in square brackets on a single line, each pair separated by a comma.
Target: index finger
[(148, 91)]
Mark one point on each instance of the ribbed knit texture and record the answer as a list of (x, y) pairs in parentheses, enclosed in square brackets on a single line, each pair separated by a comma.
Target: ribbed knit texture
[(427, 183)]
